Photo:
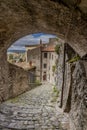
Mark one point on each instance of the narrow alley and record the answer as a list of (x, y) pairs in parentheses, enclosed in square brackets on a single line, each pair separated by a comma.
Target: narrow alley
[(34, 110)]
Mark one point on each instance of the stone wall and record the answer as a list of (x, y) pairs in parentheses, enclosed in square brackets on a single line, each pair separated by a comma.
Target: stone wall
[(69, 54), (13, 79), (74, 90), (18, 80), (60, 66), (78, 112), (4, 79)]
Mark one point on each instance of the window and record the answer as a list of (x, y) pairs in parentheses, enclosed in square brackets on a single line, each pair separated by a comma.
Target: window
[(45, 65), (45, 55)]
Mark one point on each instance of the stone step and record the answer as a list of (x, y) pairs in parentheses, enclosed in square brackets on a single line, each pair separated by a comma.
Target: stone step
[(31, 111)]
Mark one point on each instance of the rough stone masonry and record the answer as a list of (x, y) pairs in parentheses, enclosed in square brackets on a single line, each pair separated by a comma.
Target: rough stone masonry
[(67, 19)]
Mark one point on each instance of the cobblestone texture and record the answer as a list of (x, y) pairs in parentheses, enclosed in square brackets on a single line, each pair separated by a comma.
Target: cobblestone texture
[(33, 110)]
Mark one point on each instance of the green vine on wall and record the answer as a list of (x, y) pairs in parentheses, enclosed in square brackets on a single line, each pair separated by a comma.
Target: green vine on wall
[(54, 68), (57, 49)]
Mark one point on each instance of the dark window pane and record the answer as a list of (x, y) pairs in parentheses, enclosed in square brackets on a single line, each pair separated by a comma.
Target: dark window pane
[(45, 55), (45, 65)]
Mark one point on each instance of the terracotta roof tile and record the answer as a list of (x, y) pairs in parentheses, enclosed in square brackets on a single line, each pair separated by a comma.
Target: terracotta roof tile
[(49, 48)]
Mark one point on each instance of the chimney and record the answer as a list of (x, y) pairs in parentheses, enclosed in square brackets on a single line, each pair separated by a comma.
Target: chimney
[(40, 42)]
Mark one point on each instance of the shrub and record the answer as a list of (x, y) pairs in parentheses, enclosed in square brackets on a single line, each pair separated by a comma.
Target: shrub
[(55, 90), (37, 82), (10, 56), (55, 94)]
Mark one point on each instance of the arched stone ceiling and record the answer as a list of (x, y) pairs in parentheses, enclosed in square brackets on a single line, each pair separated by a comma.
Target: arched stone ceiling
[(65, 18)]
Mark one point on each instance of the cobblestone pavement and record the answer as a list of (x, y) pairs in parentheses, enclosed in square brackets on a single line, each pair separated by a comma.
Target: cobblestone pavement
[(33, 110)]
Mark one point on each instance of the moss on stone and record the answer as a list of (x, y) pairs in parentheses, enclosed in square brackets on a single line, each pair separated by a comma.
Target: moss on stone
[(74, 59)]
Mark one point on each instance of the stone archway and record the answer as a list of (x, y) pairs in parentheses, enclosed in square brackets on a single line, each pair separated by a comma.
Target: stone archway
[(22, 17)]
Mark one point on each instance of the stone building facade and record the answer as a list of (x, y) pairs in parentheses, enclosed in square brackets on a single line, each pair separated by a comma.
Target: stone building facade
[(44, 57), (49, 58), (33, 58)]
